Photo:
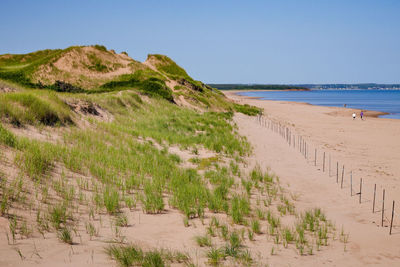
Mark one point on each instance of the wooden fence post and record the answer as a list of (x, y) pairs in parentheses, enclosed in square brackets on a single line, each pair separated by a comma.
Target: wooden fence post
[(329, 165), (383, 206), (341, 182), (301, 144), (351, 185), (391, 221), (287, 135), (306, 151), (373, 202), (337, 172), (315, 158)]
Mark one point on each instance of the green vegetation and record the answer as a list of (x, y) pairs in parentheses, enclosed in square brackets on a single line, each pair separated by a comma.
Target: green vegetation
[(100, 47), (91, 230), (239, 209), (188, 128), (15, 61), (158, 87), (311, 228), (132, 255), (111, 157), (144, 172), (111, 199), (255, 226), (6, 137), (34, 108), (96, 63), (25, 70), (58, 215), (215, 256), (65, 236), (125, 256), (168, 66), (203, 241), (247, 109), (152, 86), (127, 81), (152, 199), (19, 68)]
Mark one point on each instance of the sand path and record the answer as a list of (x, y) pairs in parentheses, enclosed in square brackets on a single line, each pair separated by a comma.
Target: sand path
[(370, 148)]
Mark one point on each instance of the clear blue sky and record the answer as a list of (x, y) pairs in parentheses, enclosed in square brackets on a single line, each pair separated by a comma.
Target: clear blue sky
[(325, 41)]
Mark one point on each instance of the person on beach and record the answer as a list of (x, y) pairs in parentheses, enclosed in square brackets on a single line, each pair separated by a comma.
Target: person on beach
[(361, 114), (354, 115)]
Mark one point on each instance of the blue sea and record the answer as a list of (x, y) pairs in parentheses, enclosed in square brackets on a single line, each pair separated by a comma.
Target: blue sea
[(378, 100)]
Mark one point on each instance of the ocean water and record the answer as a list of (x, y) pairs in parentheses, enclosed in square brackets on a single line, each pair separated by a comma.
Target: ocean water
[(378, 100)]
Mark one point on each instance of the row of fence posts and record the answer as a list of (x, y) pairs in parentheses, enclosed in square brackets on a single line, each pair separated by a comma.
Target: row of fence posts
[(302, 147)]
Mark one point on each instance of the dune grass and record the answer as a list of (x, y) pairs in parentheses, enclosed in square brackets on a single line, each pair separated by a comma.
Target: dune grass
[(122, 161), (307, 230), (152, 86), (34, 107), (189, 128), (133, 255), (239, 209), (122, 167), (7, 138), (128, 165), (203, 241)]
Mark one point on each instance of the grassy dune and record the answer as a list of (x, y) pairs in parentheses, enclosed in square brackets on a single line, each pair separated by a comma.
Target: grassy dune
[(108, 154)]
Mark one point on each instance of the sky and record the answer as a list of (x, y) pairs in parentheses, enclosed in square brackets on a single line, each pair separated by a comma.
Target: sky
[(217, 41)]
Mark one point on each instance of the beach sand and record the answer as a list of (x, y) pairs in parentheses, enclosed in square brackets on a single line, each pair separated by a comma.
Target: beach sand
[(370, 148)]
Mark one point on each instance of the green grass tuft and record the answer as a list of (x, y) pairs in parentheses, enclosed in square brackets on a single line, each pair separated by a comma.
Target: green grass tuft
[(247, 109), (132, 255), (215, 256), (65, 235), (7, 138), (255, 226), (203, 241), (240, 208), (152, 199), (111, 200)]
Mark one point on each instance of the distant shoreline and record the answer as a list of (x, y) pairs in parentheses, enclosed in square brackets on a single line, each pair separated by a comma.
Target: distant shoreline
[(262, 90), (368, 113), (238, 86), (309, 86)]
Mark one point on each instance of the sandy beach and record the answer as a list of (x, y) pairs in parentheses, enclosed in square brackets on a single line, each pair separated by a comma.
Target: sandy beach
[(369, 149)]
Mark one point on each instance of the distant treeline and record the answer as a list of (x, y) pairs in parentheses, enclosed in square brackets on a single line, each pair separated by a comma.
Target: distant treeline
[(351, 86), (233, 86), (257, 87)]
